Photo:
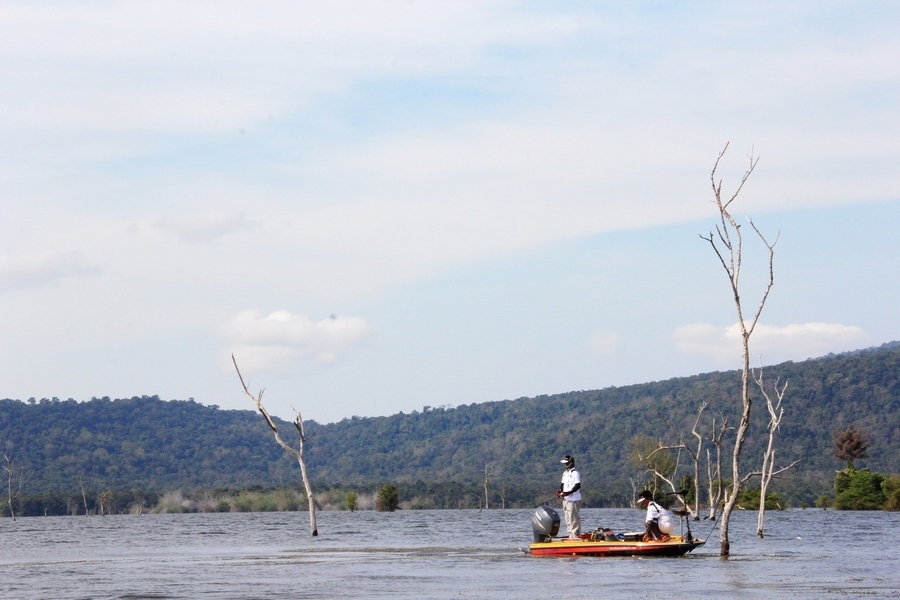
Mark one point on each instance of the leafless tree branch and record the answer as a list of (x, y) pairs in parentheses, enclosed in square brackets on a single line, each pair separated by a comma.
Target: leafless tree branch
[(295, 452)]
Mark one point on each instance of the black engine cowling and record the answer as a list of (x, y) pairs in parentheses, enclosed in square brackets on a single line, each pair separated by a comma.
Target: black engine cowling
[(545, 524)]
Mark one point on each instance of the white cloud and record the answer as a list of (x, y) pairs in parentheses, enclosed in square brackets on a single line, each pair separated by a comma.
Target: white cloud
[(32, 272), (201, 227), (773, 344), (275, 341), (604, 343)]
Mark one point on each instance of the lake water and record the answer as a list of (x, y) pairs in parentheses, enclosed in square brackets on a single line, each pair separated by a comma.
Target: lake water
[(434, 554)]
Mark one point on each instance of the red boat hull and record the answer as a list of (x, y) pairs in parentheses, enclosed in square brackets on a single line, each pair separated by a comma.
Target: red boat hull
[(675, 546)]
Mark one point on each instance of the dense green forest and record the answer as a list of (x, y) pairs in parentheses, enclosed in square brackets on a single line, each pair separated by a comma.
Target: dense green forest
[(146, 445)]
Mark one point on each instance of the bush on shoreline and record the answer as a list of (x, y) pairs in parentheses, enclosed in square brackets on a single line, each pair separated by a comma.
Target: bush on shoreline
[(411, 496)]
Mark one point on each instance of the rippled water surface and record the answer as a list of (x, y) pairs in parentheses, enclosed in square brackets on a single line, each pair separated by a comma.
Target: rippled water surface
[(434, 554)]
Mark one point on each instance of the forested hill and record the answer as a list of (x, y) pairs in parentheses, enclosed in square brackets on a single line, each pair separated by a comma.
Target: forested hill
[(153, 444)]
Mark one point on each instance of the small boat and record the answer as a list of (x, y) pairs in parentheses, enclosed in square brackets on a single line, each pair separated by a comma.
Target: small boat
[(545, 525)]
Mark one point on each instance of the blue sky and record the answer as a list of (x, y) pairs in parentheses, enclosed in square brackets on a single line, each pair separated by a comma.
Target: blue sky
[(378, 206)]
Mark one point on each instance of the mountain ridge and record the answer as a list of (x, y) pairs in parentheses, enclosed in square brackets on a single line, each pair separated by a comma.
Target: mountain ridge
[(149, 443)]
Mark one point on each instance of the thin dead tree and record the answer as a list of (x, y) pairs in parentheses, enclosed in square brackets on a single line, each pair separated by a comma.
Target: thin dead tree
[(634, 492), (714, 475), (776, 411), (694, 455), (727, 243), (696, 458), (295, 452), (651, 467), (652, 458), (486, 504), (10, 476), (83, 495)]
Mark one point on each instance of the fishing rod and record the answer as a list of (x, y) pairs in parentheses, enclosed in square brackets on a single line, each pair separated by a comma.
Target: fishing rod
[(538, 505), (716, 523)]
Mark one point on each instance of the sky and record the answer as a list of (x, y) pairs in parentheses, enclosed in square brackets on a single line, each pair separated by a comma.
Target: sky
[(381, 206)]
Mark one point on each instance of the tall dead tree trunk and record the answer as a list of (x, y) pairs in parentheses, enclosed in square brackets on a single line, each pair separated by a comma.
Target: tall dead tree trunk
[(295, 452), (728, 246)]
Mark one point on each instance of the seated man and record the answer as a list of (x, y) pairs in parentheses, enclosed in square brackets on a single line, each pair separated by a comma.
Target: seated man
[(654, 510)]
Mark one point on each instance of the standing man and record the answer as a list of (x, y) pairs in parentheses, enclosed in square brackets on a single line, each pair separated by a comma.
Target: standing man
[(570, 492)]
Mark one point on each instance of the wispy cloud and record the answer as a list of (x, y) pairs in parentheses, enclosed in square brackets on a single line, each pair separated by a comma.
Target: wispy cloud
[(203, 227), (33, 272), (604, 343), (773, 344), (275, 341)]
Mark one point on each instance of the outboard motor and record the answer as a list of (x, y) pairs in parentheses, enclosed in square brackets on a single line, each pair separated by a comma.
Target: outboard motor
[(545, 524)]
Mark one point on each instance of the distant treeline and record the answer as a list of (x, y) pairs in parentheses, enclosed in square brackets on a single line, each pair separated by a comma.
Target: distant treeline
[(258, 499), (439, 457)]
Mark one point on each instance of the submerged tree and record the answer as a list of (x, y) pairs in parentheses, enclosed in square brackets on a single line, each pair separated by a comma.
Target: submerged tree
[(776, 411), (486, 502), (295, 452), (12, 492), (727, 243), (351, 500), (715, 478), (696, 456), (388, 499), (653, 458)]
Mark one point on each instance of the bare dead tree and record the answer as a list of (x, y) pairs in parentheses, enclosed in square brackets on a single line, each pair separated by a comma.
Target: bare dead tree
[(776, 411), (295, 452), (714, 474), (634, 492), (713, 469), (695, 456), (651, 457), (662, 476), (727, 243), (486, 504), (714, 492), (83, 495), (12, 493)]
